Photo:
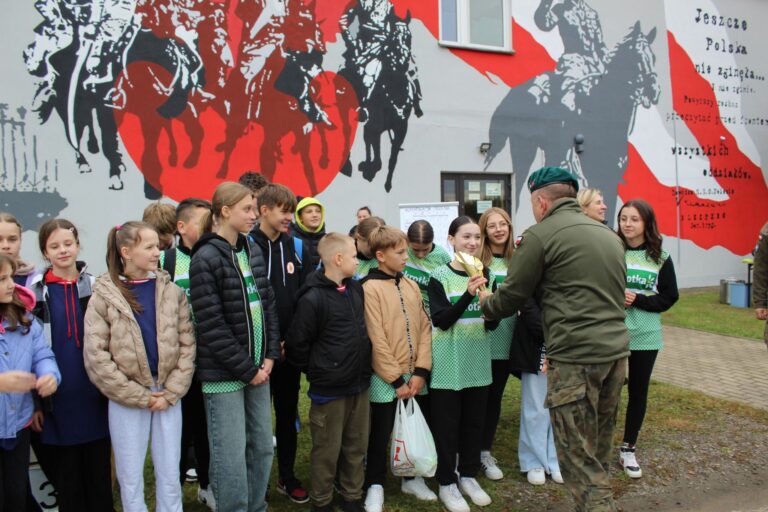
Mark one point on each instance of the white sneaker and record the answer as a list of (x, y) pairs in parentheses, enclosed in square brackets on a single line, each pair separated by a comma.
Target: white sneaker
[(190, 476), (557, 477), (490, 466), (374, 499), (205, 496), (471, 488), (537, 476), (417, 487), (452, 499), (628, 461)]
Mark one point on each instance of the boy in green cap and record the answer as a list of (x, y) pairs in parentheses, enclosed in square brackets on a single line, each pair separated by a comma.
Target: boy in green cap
[(308, 228)]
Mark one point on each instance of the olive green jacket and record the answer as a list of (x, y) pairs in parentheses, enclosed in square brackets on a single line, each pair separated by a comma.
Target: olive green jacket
[(760, 277), (575, 268)]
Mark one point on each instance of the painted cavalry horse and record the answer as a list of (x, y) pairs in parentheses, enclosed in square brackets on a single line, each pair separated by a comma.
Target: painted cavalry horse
[(530, 118)]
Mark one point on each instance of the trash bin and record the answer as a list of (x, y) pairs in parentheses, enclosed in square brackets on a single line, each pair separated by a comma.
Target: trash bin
[(725, 290), (739, 294)]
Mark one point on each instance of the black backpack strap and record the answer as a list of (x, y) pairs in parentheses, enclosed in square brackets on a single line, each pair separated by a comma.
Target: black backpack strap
[(169, 262)]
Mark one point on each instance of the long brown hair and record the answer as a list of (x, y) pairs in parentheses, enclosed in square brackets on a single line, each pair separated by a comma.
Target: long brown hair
[(486, 254), (126, 235), (651, 232), (14, 312), (227, 193)]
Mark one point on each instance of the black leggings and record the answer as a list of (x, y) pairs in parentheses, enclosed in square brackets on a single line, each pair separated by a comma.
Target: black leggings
[(382, 422), (14, 474), (500, 375), (640, 368), (194, 434)]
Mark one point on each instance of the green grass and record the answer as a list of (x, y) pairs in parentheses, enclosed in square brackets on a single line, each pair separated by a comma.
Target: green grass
[(700, 308), (672, 413)]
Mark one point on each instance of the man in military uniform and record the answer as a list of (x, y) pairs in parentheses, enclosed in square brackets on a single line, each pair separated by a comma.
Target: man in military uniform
[(574, 267), (760, 281)]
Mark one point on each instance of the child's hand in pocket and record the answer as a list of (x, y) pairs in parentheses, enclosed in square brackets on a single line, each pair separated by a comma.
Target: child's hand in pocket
[(46, 385)]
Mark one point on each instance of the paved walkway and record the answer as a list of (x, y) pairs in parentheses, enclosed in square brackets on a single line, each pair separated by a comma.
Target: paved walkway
[(721, 366)]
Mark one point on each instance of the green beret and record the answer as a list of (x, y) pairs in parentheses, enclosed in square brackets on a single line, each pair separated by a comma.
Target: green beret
[(549, 175)]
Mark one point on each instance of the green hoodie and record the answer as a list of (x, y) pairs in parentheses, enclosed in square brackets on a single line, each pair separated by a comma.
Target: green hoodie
[(574, 266), (303, 204)]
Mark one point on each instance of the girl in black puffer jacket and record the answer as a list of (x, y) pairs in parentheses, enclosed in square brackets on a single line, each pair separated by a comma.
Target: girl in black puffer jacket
[(238, 342)]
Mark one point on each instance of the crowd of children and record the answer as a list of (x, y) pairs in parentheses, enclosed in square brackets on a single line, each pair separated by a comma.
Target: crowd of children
[(207, 317)]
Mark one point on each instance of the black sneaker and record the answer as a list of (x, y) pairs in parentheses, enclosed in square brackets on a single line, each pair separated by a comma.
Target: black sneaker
[(352, 506), (293, 489)]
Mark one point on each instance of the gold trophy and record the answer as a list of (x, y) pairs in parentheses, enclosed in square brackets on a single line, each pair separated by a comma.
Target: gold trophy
[(472, 266)]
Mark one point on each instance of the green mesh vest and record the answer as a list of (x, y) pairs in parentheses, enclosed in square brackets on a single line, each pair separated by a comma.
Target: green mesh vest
[(642, 275), (420, 270), (461, 355), (501, 337), (365, 266)]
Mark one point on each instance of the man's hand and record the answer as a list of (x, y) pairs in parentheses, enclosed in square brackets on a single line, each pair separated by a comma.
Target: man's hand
[(761, 313), (629, 298), (483, 295)]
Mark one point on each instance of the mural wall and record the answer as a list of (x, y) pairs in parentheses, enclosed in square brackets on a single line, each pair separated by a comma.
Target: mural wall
[(108, 104)]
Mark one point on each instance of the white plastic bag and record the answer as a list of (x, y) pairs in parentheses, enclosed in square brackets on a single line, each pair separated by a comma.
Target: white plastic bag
[(413, 450)]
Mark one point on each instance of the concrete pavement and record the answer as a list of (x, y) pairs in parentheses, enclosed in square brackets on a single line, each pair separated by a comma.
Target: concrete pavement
[(721, 366)]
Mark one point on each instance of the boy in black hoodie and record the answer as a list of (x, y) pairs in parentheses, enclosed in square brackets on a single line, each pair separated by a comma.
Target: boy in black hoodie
[(329, 341), (286, 274)]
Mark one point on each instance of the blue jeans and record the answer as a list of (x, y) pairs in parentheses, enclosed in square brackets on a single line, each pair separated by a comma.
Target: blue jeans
[(536, 447), (240, 439)]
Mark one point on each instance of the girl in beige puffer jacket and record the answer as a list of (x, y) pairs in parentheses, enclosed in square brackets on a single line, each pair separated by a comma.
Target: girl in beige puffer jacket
[(140, 351)]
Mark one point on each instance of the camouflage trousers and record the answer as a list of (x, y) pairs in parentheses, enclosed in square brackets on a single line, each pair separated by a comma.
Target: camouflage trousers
[(583, 401)]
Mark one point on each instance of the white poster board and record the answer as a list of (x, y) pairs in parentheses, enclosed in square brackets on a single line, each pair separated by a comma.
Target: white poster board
[(439, 215)]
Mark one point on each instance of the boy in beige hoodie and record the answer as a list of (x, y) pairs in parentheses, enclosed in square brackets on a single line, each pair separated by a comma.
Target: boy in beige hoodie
[(401, 336)]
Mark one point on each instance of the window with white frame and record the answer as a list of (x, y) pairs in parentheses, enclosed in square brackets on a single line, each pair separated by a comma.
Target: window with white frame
[(476, 24)]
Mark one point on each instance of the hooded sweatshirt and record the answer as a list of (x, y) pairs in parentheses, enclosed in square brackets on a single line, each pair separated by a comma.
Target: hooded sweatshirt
[(310, 238), (285, 272), (328, 338), (79, 410)]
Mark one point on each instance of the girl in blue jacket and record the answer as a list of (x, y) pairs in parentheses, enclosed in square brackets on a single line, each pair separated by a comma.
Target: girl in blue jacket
[(23, 348)]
